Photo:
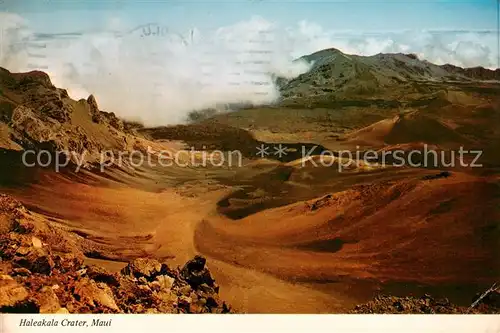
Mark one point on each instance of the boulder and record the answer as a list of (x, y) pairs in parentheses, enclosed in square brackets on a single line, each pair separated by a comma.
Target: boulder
[(165, 282), (147, 268), (37, 243), (36, 260), (68, 262), (94, 109), (99, 274), (6, 223), (11, 292), (195, 273), (47, 300), (95, 294)]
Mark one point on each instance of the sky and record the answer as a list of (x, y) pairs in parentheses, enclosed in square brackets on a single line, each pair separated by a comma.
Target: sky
[(216, 52), (331, 14)]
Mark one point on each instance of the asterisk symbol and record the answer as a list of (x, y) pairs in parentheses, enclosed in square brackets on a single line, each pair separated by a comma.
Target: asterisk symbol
[(280, 150), (262, 151)]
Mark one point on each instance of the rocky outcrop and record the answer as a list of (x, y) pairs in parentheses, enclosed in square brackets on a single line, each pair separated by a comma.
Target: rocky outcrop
[(100, 117), (94, 110), (40, 116), (35, 91), (36, 279), (425, 305), (113, 120)]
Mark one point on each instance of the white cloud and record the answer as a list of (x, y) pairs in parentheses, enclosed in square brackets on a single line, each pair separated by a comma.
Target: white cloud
[(13, 28)]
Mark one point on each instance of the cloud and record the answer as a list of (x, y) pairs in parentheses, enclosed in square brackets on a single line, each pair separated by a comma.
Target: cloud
[(13, 28), (158, 76)]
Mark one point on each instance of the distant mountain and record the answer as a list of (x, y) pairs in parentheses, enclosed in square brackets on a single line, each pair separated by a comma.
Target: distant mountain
[(339, 76), (478, 73)]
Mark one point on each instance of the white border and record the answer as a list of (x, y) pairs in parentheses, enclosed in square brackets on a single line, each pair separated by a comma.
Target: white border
[(262, 323)]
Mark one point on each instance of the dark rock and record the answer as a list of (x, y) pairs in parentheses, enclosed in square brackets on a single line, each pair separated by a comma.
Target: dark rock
[(94, 108), (26, 306), (195, 273), (99, 274), (443, 174), (23, 227), (410, 305), (96, 118), (184, 303), (225, 308), (34, 78), (399, 306), (37, 261), (68, 262), (63, 93), (56, 110), (212, 302), (115, 122)]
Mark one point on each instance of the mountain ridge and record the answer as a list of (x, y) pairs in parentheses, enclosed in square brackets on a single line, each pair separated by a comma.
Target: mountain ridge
[(335, 76)]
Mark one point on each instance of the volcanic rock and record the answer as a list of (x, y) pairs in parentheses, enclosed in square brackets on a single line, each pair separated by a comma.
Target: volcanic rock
[(68, 262), (35, 280), (165, 282), (423, 305), (11, 292), (95, 294), (99, 274), (195, 273), (36, 260), (147, 268), (47, 300), (94, 109)]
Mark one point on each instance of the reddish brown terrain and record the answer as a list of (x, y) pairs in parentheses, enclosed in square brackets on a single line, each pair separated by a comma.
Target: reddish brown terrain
[(289, 234)]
